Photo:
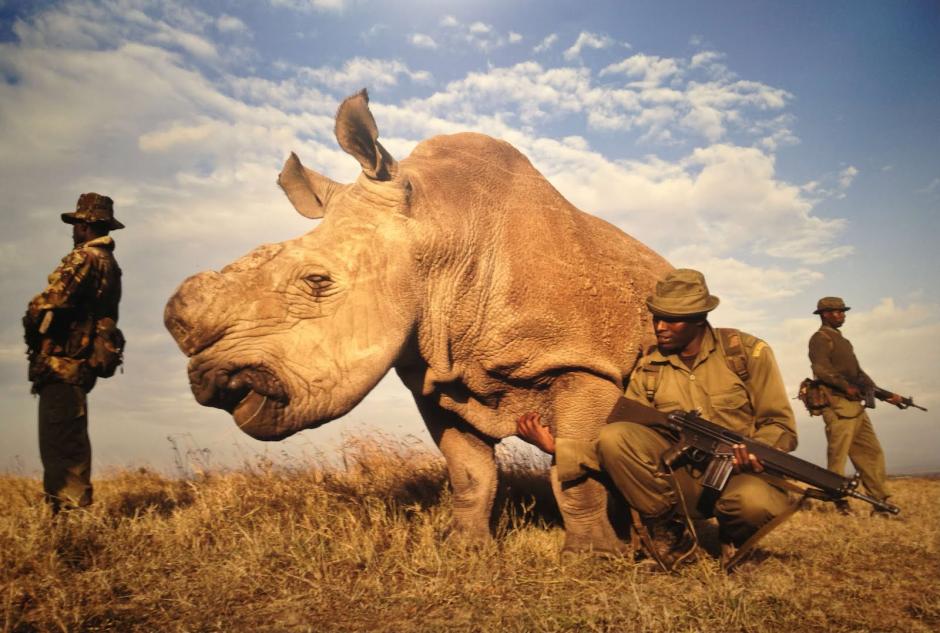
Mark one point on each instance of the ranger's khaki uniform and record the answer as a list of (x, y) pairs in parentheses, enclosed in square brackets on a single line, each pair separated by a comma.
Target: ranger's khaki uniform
[(849, 431), (59, 329), (758, 408)]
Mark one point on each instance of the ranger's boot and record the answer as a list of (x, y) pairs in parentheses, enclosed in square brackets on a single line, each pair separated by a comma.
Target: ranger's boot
[(668, 540)]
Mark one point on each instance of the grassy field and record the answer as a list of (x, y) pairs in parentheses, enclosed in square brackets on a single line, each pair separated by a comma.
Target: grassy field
[(366, 546)]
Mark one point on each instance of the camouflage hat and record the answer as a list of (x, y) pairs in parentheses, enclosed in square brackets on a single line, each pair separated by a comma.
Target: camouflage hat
[(831, 303), (92, 208), (681, 293)]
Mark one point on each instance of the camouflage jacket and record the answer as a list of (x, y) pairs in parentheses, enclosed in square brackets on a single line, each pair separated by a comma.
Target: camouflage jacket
[(60, 321)]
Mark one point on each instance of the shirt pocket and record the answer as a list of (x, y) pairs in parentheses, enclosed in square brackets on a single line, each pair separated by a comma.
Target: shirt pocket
[(733, 409)]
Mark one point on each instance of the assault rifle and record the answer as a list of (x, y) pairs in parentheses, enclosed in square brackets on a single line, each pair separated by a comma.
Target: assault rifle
[(709, 444), (883, 395)]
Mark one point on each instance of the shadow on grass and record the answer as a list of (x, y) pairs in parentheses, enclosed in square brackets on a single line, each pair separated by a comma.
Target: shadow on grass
[(144, 492), (526, 496)]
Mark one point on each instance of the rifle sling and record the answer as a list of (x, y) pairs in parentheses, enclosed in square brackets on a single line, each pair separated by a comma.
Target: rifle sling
[(641, 532), (748, 545)]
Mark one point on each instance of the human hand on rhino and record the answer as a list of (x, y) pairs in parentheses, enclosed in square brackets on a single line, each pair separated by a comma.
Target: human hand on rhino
[(529, 427)]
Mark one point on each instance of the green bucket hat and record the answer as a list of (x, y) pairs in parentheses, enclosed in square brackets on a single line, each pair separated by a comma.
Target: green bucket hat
[(92, 208), (681, 293), (831, 303)]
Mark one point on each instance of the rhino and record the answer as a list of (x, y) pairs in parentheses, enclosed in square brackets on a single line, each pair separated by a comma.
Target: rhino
[(460, 267)]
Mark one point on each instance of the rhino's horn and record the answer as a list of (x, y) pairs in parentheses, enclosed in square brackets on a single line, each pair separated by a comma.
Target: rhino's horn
[(307, 190), (358, 135)]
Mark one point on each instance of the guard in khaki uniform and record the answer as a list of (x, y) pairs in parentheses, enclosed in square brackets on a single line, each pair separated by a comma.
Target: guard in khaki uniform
[(690, 369), (69, 328), (849, 431), (733, 379)]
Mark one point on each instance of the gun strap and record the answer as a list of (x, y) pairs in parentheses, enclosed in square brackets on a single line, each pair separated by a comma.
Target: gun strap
[(729, 561), (685, 515), (735, 357), (646, 540)]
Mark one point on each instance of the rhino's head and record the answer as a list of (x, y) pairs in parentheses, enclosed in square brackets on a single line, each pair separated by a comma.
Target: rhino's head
[(296, 334)]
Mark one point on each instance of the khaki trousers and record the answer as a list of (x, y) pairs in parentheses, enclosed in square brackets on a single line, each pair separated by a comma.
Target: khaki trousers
[(631, 454), (64, 446), (854, 437)]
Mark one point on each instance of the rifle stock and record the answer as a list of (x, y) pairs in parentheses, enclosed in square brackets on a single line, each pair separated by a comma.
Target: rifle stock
[(701, 440)]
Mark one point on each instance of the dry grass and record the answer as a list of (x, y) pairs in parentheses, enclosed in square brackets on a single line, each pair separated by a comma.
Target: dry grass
[(366, 547)]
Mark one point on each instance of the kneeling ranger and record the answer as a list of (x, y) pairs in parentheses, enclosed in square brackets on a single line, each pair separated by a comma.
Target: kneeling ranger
[(732, 379)]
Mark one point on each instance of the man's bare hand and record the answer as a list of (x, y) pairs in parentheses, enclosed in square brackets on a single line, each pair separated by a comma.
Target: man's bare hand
[(853, 393), (529, 428), (745, 461)]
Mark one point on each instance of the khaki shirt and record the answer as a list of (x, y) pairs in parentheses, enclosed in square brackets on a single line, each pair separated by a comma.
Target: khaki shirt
[(758, 408), (834, 363), (85, 287)]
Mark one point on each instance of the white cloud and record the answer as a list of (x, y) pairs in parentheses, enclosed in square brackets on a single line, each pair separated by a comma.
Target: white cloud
[(588, 40), (660, 113), (313, 5), (545, 44), (831, 185), (188, 42), (360, 72), (649, 70), (479, 35), (847, 176), (514, 38), (422, 41), (231, 24), (705, 58), (526, 91)]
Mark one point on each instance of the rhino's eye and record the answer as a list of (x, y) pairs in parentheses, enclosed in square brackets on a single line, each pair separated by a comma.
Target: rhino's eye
[(319, 284)]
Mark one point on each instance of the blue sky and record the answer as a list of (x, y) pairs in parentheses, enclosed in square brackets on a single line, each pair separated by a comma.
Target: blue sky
[(788, 150)]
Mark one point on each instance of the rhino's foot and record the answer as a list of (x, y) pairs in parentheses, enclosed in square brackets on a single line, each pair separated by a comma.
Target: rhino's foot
[(463, 538)]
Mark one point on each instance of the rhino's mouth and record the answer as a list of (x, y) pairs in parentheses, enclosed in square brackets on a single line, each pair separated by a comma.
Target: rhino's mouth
[(242, 391)]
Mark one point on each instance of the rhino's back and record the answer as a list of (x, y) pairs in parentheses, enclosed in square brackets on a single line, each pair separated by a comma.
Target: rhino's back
[(559, 287)]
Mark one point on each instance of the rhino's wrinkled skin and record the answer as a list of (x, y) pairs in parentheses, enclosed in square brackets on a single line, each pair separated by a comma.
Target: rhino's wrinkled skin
[(462, 268)]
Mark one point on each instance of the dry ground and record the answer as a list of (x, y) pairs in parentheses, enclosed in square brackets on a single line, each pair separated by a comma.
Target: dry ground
[(366, 547)]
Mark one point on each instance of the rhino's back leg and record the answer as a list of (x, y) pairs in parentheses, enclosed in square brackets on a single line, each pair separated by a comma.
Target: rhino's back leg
[(471, 466), (581, 405)]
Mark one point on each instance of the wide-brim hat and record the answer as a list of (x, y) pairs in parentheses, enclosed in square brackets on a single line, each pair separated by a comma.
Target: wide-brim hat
[(830, 303), (93, 208), (681, 293)]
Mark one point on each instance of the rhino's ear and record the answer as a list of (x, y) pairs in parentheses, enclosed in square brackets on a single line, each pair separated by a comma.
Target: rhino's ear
[(307, 190), (359, 136)]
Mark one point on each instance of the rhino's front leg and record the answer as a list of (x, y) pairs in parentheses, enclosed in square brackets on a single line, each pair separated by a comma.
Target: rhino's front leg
[(581, 405), (471, 466)]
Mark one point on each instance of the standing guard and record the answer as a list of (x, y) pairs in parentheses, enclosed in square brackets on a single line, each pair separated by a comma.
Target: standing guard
[(72, 339), (849, 431)]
